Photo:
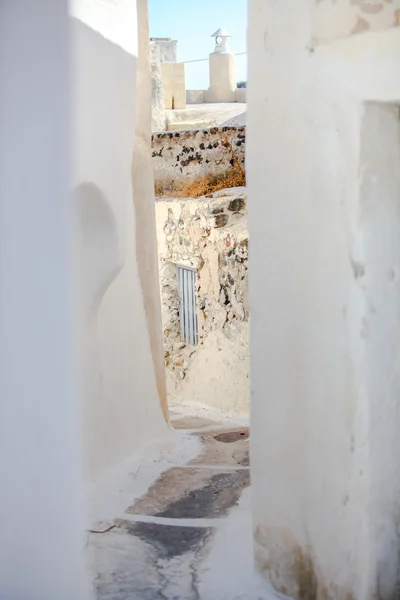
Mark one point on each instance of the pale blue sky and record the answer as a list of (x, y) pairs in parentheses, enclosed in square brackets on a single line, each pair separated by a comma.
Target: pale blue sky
[(192, 22)]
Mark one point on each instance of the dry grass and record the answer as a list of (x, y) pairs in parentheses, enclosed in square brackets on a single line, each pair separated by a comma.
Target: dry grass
[(234, 176)]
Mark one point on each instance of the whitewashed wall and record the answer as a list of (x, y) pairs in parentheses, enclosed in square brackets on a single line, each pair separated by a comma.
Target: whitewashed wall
[(323, 177), (75, 343), (121, 405), (41, 498)]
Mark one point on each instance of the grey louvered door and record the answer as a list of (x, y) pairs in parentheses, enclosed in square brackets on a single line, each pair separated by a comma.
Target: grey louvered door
[(187, 304)]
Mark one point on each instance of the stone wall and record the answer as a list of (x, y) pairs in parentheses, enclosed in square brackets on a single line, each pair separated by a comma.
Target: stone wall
[(209, 234), (191, 154)]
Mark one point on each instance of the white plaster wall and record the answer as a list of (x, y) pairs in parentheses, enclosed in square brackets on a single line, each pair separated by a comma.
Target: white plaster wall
[(241, 94), (143, 196), (121, 407), (349, 17), (380, 214), (41, 520), (222, 77), (158, 117), (325, 307), (173, 76), (195, 96)]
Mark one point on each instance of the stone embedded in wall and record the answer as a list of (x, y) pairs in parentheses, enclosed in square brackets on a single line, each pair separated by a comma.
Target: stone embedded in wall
[(221, 220), (236, 205), (209, 234), (192, 154), (348, 17)]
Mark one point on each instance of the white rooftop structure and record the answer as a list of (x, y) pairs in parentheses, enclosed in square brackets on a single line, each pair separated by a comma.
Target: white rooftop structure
[(221, 40)]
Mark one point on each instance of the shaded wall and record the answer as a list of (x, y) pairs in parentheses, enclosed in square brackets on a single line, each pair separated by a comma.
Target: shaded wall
[(143, 194), (123, 385), (324, 228), (41, 499)]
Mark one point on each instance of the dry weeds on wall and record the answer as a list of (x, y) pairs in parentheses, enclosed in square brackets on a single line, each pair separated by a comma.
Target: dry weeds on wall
[(233, 176)]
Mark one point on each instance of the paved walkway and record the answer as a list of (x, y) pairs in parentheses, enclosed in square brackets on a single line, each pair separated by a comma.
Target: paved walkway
[(185, 532)]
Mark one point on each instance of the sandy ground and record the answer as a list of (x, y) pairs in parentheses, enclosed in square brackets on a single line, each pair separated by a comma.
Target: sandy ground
[(176, 524)]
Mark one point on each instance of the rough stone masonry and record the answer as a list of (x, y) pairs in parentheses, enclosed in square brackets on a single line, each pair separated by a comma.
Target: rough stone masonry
[(186, 155), (210, 235)]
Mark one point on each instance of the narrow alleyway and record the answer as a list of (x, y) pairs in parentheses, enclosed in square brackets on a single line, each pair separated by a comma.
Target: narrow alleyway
[(179, 527)]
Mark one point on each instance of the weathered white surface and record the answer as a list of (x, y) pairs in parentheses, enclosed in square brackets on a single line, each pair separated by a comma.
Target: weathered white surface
[(41, 521), (241, 94), (210, 235), (219, 372), (121, 407), (344, 17), (158, 118), (222, 77), (173, 75), (147, 557), (143, 200), (228, 571), (166, 47), (195, 96), (200, 116), (237, 121), (112, 494), (324, 299), (200, 96)]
